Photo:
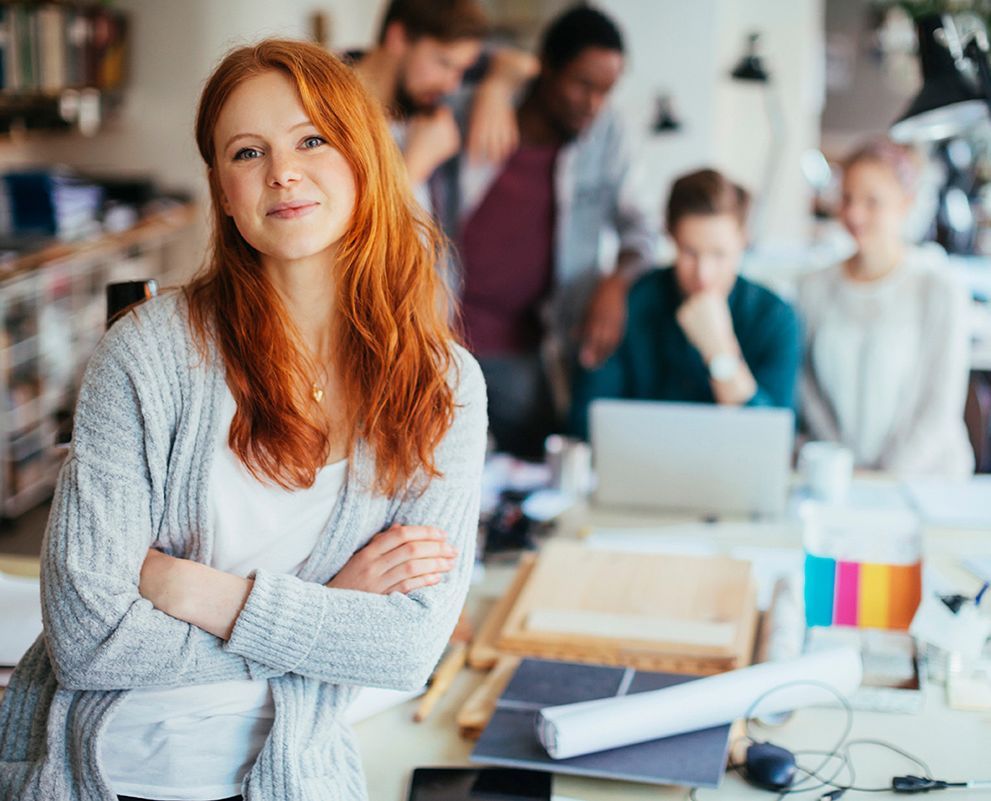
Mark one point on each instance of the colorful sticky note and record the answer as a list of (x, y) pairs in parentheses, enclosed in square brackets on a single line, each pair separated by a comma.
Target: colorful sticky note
[(875, 596), (906, 592), (820, 577), (847, 590)]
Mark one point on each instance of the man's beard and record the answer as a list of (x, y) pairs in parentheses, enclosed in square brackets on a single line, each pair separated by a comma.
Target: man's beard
[(407, 106)]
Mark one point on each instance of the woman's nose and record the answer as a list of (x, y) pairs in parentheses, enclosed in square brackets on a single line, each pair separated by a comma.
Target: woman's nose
[(283, 170)]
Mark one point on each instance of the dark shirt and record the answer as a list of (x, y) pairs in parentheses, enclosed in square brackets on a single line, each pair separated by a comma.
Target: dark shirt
[(507, 247), (655, 360)]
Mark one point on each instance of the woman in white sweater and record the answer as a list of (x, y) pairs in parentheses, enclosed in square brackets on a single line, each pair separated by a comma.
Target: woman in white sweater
[(887, 346)]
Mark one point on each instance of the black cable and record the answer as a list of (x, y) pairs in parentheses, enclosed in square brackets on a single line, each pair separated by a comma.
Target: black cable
[(839, 753), (836, 694)]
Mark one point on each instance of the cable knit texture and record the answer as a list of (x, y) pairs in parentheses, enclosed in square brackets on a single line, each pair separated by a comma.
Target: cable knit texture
[(136, 476)]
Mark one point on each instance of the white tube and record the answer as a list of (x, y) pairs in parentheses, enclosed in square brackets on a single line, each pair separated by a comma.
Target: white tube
[(590, 726)]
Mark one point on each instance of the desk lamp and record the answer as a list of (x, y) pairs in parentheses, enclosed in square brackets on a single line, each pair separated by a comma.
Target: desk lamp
[(948, 102), (751, 69)]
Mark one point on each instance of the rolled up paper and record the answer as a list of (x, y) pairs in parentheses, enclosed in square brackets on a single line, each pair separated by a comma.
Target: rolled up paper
[(589, 726)]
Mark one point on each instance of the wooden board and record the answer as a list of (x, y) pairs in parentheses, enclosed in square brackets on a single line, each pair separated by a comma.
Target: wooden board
[(674, 613), (484, 652)]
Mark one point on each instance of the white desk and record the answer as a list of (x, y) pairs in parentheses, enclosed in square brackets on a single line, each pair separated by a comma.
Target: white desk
[(956, 745)]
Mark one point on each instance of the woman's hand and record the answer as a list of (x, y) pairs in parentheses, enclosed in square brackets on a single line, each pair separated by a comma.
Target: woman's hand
[(399, 559)]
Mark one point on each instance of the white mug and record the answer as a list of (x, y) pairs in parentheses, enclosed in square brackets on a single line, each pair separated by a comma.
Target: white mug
[(826, 469), (570, 463)]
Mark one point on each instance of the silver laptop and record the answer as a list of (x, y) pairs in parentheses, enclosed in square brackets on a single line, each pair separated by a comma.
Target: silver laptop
[(691, 457)]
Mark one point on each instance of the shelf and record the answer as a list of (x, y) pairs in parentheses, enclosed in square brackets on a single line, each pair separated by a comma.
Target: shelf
[(53, 301), (149, 232)]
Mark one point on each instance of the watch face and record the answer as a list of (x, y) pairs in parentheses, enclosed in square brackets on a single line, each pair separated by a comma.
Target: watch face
[(724, 366)]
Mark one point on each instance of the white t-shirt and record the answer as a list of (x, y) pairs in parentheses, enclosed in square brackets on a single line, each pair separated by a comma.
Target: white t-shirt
[(199, 741)]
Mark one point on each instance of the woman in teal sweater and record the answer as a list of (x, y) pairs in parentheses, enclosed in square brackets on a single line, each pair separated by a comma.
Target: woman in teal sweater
[(698, 332)]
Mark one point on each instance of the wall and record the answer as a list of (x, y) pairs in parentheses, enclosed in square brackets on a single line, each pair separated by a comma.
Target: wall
[(688, 50), (174, 45)]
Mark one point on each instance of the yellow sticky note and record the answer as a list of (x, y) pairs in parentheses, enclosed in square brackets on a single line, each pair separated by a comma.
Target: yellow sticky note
[(875, 596)]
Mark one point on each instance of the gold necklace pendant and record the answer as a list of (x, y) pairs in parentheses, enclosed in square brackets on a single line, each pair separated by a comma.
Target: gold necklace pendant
[(317, 392)]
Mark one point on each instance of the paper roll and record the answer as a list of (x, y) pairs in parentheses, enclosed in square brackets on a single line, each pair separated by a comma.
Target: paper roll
[(584, 728)]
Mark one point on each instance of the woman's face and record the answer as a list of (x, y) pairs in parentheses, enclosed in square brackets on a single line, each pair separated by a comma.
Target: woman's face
[(710, 247), (874, 204), (290, 193)]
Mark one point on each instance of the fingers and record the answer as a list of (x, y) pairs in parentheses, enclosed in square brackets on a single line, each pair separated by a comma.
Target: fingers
[(428, 570), (411, 556), (499, 143), (396, 536), (409, 585)]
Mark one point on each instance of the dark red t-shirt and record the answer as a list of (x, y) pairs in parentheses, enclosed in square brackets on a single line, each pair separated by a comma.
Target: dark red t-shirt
[(507, 253)]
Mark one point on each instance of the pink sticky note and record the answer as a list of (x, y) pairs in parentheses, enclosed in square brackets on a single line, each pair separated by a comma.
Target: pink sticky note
[(847, 586)]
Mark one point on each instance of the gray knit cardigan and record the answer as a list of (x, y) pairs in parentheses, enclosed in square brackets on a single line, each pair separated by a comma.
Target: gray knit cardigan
[(137, 476)]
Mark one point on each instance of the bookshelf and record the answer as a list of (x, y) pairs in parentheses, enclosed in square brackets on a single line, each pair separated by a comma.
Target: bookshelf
[(62, 64), (52, 314)]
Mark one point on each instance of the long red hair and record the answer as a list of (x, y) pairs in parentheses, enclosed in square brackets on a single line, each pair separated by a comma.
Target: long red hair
[(392, 339)]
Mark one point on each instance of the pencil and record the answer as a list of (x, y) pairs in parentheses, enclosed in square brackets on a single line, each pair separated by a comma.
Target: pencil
[(443, 676)]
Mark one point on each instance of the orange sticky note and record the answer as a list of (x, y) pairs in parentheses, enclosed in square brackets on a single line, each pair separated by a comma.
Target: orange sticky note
[(906, 592)]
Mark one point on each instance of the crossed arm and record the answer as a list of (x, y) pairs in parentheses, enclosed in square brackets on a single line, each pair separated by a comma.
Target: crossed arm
[(401, 559)]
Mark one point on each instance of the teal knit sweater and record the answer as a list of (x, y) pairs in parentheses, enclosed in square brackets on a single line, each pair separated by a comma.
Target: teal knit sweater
[(655, 360), (136, 476)]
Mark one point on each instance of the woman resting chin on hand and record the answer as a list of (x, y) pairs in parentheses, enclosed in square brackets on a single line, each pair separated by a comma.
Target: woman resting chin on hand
[(272, 493)]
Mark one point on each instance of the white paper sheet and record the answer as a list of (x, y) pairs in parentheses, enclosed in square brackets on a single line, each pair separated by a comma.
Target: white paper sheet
[(980, 566), (20, 616), (965, 504), (372, 700), (584, 728)]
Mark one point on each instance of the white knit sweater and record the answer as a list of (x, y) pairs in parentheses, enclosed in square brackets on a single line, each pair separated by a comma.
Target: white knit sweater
[(137, 476), (887, 365)]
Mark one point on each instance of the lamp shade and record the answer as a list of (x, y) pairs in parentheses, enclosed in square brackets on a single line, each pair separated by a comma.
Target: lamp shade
[(947, 103), (751, 67)]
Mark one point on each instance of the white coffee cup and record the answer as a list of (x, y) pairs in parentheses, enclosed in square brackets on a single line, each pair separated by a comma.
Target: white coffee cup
[(826, 469), (570, 463)]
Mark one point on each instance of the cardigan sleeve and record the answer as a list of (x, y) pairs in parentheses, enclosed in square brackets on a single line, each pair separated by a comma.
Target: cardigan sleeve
[(101, 634), (393, 641)]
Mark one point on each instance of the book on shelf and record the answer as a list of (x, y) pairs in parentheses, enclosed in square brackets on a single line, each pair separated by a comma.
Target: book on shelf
[(46, 48)]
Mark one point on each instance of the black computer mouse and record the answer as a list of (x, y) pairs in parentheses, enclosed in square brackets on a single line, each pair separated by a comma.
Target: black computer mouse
[(769, 766)]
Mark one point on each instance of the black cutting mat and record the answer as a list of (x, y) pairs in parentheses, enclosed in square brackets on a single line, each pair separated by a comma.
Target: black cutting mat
[(696, 759)]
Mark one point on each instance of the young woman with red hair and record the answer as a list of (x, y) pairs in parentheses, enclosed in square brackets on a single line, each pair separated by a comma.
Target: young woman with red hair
[(272, 494)]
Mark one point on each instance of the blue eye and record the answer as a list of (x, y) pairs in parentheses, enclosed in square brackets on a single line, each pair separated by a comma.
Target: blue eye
[(246, 153), (313, 141)]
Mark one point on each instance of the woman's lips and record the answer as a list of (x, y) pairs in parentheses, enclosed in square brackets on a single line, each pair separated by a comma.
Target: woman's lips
[(290, 211)]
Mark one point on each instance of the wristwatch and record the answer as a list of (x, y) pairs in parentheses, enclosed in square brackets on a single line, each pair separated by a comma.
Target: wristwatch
[(724, 366)]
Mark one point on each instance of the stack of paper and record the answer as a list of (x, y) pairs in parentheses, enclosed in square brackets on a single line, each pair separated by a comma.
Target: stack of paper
[(20, 619), (944, 502)]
